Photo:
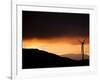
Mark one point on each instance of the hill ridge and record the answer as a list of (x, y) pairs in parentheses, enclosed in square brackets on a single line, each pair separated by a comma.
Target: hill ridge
[(35, 58)]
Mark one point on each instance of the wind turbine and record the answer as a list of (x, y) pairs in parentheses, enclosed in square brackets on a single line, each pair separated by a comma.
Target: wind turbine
[(82, 48)]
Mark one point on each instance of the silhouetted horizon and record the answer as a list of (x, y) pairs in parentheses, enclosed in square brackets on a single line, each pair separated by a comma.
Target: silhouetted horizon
[(35, 58), (54, 34), (69, 55)]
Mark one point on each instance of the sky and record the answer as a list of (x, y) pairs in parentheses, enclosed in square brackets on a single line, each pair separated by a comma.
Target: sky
[(58, 33)]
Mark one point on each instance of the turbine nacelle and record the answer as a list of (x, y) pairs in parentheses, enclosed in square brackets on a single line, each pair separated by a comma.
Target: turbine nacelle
[(82, 41)]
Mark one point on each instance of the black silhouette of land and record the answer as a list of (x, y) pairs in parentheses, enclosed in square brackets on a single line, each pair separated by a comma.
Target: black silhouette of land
[(34, 58), (75, 56)]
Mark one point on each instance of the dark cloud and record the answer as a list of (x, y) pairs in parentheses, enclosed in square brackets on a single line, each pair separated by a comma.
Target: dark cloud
[(50, 24)]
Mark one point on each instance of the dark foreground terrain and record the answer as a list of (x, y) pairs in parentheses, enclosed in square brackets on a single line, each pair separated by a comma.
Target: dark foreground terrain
[(34, 58)]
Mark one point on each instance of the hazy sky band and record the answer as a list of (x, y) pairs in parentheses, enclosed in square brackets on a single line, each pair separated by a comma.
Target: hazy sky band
[(52, 25), (58, 33)]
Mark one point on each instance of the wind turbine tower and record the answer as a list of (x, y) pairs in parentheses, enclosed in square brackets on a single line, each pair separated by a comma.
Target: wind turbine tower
[(82, 48)]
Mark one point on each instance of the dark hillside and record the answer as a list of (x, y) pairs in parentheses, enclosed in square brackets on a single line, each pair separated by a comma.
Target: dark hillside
[(34, 58)]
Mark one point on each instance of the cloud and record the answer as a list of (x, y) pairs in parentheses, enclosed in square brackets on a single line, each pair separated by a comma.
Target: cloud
[(51, 25)]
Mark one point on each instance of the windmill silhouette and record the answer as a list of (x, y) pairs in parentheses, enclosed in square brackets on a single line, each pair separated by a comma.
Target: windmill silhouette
[(82, 48)]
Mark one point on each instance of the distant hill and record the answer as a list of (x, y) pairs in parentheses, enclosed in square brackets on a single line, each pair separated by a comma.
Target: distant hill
[(75, 56), (34, 58)]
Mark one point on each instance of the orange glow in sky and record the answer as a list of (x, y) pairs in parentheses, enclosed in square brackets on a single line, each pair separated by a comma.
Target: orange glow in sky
[(57, 46)]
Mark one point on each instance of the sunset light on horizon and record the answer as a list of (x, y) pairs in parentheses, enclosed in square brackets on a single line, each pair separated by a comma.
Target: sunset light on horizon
[(55, 39), (58, 46)]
